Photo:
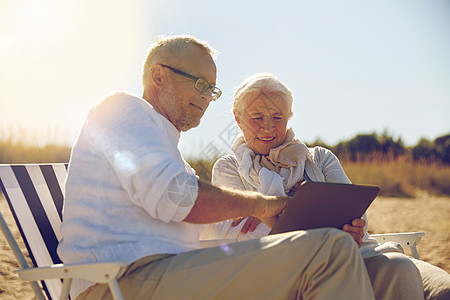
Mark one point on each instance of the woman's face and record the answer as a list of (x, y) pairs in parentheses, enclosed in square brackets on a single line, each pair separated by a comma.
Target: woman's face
[(263, 121)]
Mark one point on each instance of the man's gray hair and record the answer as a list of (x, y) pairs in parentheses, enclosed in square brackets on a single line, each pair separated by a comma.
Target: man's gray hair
[(166, 47), (260, 83)]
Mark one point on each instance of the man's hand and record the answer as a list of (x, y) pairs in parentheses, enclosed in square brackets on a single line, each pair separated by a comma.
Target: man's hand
[(272, 209), (356, 230)]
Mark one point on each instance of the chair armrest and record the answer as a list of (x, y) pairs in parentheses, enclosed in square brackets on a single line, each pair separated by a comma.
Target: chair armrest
[(405, 239), (96, 272)]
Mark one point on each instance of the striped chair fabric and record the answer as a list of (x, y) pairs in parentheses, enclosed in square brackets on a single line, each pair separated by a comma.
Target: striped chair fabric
[(35, 196)]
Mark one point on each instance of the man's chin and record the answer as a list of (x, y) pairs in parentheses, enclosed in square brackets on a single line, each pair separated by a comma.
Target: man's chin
[(190, 125)]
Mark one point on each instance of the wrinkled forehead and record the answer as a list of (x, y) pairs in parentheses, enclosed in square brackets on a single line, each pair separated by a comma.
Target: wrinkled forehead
[(266, 103)]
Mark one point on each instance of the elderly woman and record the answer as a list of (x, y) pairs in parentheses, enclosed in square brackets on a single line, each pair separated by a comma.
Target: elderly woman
[(270, 160)]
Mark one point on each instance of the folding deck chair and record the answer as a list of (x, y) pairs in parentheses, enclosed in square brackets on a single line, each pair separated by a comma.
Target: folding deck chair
[(34, 193), (35, 196)]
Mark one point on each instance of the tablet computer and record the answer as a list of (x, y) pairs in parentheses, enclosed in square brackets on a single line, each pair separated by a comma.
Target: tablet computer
[(319, 204)]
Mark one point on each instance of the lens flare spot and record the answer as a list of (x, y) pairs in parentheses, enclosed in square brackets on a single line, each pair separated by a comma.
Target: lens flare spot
[(125, 162), (226, 249)]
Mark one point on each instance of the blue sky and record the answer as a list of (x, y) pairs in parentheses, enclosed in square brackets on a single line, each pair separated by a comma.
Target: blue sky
[(353, 66)]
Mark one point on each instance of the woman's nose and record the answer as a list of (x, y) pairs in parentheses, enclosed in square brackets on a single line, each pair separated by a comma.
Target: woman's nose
[(267, 124)]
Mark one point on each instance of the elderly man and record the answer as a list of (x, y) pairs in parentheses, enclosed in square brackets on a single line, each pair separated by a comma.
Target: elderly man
[(130, 196)]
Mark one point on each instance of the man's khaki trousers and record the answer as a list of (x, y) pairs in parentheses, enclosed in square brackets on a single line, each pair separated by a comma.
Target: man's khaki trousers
[(316, 264)]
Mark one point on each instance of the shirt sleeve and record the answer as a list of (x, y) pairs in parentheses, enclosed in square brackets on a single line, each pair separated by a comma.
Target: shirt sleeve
[(225, 173), (330, 166)]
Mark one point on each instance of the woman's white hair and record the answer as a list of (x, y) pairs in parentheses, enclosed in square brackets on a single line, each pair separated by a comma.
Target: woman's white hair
[(167, 47), (260, 83)]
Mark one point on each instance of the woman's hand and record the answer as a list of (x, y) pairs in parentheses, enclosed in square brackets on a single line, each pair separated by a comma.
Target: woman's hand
[(250, 224), (356, 230)]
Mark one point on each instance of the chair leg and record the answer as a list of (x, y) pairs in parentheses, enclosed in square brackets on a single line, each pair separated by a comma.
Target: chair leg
[(115, 290), (414, 251), (65, 289)]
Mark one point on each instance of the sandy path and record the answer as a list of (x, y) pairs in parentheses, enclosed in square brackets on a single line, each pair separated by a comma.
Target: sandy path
[(423, 213)]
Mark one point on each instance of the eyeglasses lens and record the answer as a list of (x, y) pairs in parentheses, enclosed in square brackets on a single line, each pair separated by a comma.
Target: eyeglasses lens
[(201, 85)]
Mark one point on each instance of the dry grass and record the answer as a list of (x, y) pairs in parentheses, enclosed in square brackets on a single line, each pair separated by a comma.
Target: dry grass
[(21, 153), (18, 145), (401, 177)]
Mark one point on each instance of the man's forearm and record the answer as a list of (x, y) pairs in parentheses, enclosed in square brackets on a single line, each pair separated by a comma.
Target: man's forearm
[(215, 204)]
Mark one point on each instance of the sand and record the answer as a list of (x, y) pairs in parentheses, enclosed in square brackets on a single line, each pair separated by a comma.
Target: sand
[(425, 212)]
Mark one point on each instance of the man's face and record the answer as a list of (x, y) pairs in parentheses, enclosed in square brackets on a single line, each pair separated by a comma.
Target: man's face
[(183, 105), (264, 121)]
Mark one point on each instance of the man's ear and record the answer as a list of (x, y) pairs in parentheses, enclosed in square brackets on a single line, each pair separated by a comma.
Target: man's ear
[(157, 76)]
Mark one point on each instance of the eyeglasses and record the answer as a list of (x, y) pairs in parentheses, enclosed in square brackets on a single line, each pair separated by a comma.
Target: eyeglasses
[(201, 84)]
